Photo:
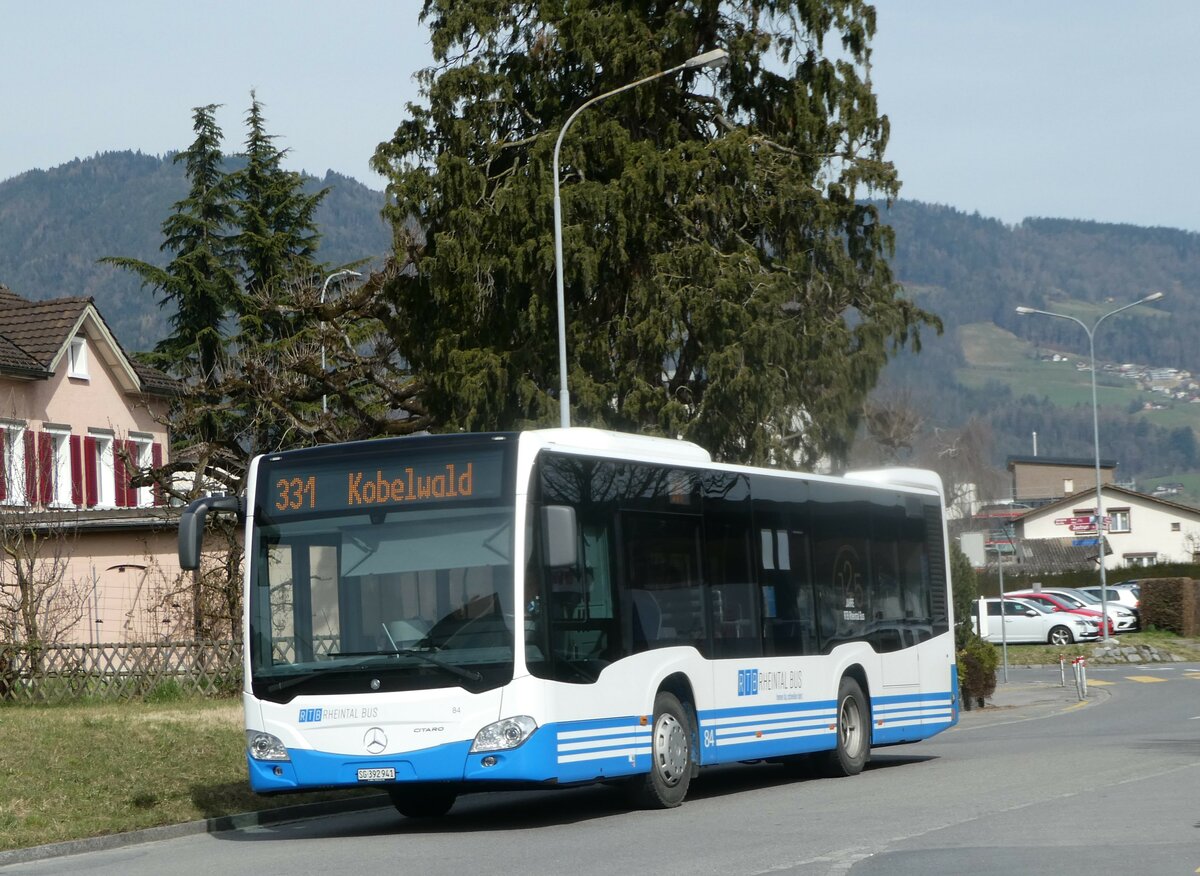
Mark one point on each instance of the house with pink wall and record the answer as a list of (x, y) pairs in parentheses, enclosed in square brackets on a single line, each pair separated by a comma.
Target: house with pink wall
[(78, 418)]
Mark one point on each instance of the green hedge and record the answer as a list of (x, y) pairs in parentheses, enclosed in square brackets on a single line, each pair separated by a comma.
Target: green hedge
[(1171, 604)]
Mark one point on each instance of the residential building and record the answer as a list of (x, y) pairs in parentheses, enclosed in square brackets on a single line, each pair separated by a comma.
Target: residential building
[(77, 416), (1040, 479), (1141, 530)]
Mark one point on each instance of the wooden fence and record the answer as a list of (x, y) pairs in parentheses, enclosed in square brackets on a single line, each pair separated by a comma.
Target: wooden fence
[(63, 673)]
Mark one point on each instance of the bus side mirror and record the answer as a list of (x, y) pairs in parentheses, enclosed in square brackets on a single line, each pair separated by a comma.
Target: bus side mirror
[(191, 526), (560, 536)]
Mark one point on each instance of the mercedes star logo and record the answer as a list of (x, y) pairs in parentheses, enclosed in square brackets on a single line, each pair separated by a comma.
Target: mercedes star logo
[(375, 740)]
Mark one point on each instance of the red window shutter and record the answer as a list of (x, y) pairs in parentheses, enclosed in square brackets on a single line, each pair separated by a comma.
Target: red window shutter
[(91, 471), (156, 460), (31, 491), (45, 468), (3, 466), (76, 470)]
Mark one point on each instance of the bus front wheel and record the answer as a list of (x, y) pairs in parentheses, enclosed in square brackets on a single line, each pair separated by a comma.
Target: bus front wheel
[(853, 731), (665, 786), (431, 800)]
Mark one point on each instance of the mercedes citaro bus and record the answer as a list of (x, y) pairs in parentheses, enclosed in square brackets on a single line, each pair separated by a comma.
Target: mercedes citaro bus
[(436, 615)]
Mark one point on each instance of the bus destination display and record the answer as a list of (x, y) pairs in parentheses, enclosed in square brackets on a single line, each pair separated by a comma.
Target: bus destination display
[(366, 483)]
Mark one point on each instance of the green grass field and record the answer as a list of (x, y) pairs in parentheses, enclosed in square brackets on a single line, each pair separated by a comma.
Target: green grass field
[(70, 772), (995, 355)]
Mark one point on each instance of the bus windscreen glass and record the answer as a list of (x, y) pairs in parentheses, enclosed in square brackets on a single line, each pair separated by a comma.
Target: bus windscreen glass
[(401, 569)]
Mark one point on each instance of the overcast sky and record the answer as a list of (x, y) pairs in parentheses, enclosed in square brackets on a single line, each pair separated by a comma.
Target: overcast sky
[(1080, 109)]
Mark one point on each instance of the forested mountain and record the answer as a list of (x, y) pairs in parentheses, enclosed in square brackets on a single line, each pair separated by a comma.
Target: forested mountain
[(995, 367), (970, 270), (56, 224)]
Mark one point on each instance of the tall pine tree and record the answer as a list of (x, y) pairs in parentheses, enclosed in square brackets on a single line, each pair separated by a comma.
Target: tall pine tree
[(723, 280), (200, 282), (277, 238)]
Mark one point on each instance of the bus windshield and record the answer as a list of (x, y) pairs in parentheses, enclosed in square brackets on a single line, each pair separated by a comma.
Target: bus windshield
[(417, 595)]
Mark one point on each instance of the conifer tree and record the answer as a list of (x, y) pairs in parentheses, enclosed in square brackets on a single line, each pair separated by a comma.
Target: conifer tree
[(724, 282), (276, 236), (200, 282)]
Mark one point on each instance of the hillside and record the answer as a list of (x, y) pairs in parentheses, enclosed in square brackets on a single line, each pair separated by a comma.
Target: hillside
[(990, 366), (56, 224), (1000, 369)]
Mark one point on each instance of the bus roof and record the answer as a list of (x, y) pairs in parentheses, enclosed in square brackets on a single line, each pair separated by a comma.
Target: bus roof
[(621, 444), (918, 478)]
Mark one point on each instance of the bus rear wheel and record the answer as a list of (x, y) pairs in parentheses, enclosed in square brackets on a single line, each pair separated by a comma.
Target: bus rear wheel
[(423, 800), (853, 731), (671, 762)]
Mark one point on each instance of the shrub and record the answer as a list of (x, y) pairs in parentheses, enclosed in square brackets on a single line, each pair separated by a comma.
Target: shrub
[(1171, 604), (977, 662)]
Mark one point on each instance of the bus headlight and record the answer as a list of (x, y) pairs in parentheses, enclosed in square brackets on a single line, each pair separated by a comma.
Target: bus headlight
[(264, 746), (508, 733)]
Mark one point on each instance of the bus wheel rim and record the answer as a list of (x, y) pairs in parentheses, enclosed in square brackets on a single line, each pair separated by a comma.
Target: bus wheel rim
[(670, 749)]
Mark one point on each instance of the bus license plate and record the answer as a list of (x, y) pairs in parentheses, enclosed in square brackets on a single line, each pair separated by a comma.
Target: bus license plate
[(379, 774)]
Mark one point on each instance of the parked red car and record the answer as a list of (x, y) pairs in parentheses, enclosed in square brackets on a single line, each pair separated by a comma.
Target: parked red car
[(1054, 603)]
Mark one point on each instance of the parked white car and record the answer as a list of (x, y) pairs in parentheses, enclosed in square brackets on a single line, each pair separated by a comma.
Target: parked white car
[(1123, 618), (1024, 621), (1127, 595)]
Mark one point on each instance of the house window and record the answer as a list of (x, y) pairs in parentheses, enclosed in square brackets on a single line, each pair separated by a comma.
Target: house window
[(1140, 560), (59, 491), (1118, 519), (78, 359), (12, 463), (99, 473), (1176, 526), (139, 453), (1068, 486)]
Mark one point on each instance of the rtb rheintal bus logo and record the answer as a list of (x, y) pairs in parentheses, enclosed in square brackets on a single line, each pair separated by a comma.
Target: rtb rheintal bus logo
[(747, 682)]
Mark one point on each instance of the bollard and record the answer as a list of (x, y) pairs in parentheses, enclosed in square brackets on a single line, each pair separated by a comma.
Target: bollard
[(1079, 667), (1083, 675), (1062, 670)]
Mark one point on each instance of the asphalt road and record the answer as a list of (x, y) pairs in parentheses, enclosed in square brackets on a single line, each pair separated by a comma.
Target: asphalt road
[(1037, 783)]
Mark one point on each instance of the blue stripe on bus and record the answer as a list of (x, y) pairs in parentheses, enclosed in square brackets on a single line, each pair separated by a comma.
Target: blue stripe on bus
[(534, 761), (580, 751), (749, 733)]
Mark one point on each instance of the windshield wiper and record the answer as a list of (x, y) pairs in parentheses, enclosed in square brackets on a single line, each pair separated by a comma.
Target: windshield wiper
[(276, 686), (457, 671), (469, 674)]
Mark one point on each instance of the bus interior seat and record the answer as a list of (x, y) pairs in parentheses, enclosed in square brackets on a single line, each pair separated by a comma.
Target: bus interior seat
[(646, 616)]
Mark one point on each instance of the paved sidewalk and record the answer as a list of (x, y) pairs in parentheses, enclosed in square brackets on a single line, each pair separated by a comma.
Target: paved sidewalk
[(1031, 692)]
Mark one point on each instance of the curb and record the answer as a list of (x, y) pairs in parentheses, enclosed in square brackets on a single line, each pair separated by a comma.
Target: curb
[(1046, 701), (219, 824)]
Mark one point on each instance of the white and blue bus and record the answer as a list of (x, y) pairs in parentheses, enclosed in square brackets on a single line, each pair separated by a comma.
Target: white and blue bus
[(437, 615)]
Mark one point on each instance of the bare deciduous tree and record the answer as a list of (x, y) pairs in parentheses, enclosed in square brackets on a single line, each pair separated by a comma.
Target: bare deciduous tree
[(38, 601)]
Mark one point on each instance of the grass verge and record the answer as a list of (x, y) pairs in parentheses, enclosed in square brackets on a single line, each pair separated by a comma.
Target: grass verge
[(1042, 655), (71, 772)]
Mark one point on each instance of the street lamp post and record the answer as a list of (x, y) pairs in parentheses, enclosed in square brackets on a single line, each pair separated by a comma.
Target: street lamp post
[(345, 272), (714, 58), (1091, 334)]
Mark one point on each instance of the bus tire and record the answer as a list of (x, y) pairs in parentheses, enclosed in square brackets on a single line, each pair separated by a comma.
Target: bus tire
[(671, 757), (853, 731), (423, 799)]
